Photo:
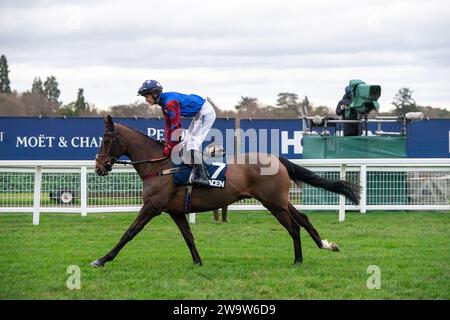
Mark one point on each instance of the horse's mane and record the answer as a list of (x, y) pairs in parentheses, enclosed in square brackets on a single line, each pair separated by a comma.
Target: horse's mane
[(142, 134)]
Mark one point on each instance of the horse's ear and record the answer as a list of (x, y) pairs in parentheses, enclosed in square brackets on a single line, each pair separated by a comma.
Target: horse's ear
[(109, 124)]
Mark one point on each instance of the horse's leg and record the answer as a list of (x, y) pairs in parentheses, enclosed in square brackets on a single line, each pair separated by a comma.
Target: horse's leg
[(303, 220), (224, 214), (183, 225), (146, 213), (282, 215), (297, 229), (216, 214)]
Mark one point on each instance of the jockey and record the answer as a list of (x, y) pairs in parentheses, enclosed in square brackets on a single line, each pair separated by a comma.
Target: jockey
[(174, 105)]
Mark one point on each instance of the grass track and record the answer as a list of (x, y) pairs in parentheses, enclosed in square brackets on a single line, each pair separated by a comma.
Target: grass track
[(248, 258)]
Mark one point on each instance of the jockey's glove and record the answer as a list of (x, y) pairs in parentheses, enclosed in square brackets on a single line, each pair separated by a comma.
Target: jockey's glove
[(167, 150)]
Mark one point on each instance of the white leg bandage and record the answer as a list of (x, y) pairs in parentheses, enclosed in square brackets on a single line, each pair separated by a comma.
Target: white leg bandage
[(329, 245)]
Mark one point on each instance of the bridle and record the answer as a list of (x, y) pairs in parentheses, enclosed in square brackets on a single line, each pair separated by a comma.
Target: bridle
[(112, 160)]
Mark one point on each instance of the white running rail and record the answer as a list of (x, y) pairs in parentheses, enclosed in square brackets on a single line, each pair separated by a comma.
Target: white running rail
[(73, 187)]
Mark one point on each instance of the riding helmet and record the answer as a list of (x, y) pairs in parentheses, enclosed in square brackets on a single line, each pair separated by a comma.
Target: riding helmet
[(150, 87)]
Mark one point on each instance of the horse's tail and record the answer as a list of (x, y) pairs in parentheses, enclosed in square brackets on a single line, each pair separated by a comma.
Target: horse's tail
[(299, 174)]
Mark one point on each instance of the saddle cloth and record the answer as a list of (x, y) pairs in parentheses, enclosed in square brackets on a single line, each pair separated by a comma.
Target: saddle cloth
[(217, 172)]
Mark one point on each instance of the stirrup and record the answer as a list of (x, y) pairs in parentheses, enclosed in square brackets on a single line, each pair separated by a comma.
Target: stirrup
[(201, 182), (196, 179)]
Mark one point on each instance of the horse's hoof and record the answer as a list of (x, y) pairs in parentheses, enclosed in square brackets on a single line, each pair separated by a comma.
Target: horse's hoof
[(97, 263), (198, 263), (334, 247), (297, 263), (329, 245)]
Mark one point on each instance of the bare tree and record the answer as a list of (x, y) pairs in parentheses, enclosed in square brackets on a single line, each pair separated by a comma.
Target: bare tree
[(28, 104), (136, 110)]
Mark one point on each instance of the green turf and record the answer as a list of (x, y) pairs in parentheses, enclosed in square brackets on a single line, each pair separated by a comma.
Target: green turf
[(248, 258)]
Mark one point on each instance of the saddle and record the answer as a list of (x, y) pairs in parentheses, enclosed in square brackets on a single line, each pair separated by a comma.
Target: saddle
[(214, 161), (216, 168)]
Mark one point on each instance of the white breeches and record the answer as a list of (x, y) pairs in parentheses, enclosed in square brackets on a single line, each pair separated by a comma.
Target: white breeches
[(199, 127)]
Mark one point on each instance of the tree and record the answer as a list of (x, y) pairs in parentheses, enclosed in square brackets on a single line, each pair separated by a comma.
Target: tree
[(81, 105), (322, 111), (4, 78), (68, 110), (248, 107), (435, 113), (404, 102), (287, 99), (77, 108), (37, 86), (27, 104), (219, 112), (136, 110), (51, 90), (289, 103), (306, 106)]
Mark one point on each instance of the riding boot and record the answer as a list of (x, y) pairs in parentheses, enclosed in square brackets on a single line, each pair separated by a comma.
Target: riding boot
[(199, 176)]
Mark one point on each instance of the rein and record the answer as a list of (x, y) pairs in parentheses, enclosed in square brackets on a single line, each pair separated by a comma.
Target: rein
[(153, 173), (126, 162), (108, 165), (164, 172), (111, 161)]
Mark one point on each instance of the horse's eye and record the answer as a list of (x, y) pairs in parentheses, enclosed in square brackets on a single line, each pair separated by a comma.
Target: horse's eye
[(106, 141)]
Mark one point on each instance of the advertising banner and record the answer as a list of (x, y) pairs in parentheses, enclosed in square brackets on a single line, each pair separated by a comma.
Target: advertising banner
[(32, 138)]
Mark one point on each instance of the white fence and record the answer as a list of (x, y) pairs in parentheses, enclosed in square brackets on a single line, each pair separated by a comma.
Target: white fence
[(73, 187)]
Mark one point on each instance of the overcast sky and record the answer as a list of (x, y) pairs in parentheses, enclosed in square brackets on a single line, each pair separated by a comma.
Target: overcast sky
[(227, 49)]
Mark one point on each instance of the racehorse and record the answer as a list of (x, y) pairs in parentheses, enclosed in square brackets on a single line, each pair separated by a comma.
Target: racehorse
[(244, 180)]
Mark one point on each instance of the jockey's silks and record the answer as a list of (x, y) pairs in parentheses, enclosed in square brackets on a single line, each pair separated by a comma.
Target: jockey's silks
[(189, 104)]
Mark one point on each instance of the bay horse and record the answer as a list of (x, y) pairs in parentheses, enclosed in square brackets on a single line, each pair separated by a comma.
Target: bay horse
[(244, 180)]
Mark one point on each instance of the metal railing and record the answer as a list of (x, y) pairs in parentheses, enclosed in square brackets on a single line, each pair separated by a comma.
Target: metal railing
[(73, 187)]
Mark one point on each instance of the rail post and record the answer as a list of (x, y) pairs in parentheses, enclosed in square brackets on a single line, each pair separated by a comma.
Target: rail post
[(341, 197), (83, 193), (37, 195), (363, 185)]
